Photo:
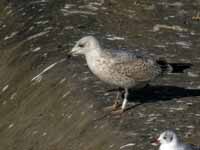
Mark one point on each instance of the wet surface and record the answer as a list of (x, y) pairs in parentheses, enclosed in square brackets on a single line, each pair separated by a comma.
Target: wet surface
[(49, 100)]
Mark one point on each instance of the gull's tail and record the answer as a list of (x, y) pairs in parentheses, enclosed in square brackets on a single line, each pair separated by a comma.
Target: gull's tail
[(172, 67), (165, 67)]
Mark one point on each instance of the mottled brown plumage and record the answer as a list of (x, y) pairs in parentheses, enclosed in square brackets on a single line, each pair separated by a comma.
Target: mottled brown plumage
[(126, 69)]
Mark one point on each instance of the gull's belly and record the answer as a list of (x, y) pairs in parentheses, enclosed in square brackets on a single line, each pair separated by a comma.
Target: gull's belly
[(113, 77)]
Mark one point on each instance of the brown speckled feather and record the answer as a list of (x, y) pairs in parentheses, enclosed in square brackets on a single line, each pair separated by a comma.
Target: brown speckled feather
[(138, 69)]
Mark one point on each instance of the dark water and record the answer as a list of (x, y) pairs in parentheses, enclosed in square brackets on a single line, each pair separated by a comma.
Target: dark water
[(49, 101)]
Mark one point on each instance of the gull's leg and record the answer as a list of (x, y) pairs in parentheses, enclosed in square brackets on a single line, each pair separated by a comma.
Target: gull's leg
[(125, 99), (115, 105), (123, 107)]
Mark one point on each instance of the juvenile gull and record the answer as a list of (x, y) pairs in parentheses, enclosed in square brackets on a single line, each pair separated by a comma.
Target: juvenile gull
[(168, 140), (125, 69)]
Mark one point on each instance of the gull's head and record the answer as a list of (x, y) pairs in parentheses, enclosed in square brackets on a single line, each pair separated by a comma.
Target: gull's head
[(85, 45), (167, 137)]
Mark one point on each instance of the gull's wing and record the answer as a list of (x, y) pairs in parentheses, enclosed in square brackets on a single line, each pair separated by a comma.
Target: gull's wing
[(135, 65), (138, 69)]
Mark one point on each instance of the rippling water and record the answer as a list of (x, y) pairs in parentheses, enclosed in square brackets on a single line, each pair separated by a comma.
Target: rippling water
[(51, 101)]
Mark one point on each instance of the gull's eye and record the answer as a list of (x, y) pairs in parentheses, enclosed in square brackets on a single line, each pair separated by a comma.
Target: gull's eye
[(171, 138), (81, 45), (165, 137)]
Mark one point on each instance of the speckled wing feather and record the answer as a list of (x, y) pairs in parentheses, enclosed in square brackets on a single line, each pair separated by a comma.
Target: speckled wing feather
[(135, 65), (138, 69)]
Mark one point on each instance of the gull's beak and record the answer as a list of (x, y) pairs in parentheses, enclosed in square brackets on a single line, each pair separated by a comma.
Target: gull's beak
[(155, 141), (73, 52), (70, 53)]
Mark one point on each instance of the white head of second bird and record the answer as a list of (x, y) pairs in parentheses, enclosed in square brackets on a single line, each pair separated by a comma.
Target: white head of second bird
[(86, 45), (168, 137)]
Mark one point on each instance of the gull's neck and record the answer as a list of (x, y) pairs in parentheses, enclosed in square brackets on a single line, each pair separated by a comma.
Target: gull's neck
[(92, 59), (172, 145), (176, 141), (95, 50), (95, 47), (94, 54)]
